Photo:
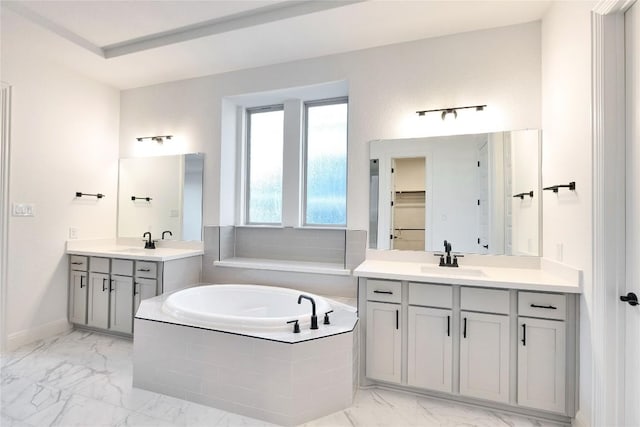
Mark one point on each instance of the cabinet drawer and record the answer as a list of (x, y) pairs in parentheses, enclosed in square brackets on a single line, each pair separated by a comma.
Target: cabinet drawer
[(430, 295), (538, 304), (123, 267), (99, 265), (384, 290), (78, 263), (487, 300), (146, 269)]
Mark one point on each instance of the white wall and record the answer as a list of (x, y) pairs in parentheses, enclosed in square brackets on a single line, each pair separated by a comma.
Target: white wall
[(498, 67), (566, 156), (64, 139)]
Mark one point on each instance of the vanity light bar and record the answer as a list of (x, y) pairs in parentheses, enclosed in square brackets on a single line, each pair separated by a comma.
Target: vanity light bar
[(159, 138), (452, 110)]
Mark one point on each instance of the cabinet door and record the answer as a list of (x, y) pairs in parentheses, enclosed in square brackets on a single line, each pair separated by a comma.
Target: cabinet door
[(430, 348), (484, 356), (98, 306), (541, 364), (383, 341), (121, 304), (143, 289), (78, 297)]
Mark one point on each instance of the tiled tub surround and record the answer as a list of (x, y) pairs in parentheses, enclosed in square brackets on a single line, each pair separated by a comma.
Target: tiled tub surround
[(321, 251), (279, 377)]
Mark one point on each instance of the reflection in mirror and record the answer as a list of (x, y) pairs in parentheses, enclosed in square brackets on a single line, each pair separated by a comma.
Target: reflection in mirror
[(159, 194), (479, 192)]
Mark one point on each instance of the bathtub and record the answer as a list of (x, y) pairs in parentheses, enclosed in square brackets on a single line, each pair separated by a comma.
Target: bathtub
[(243, 308), (229, 347)]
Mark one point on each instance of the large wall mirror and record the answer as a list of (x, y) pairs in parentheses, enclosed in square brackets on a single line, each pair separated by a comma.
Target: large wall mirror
[(159, 194), (481, 192)]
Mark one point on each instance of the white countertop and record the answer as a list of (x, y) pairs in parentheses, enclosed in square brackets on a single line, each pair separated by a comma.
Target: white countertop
[(535, 279), (111, 249)]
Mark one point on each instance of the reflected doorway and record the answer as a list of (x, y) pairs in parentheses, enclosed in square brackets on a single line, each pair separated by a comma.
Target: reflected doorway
[(408, 196)]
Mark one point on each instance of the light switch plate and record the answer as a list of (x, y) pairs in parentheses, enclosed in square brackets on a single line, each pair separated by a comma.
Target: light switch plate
[(73, 233), (23, 209)]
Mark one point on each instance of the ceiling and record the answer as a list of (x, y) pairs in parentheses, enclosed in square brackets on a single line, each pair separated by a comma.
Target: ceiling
[(130, 44)]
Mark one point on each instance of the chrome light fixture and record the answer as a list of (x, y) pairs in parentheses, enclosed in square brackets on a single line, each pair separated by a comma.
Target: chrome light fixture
[(159, 138), (454, 110)]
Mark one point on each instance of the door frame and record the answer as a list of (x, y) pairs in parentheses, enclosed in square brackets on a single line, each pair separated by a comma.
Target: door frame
[(5, 151), (608, 133)]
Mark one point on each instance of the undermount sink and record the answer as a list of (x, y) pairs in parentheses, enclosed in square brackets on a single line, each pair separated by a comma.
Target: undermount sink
[(452, 271)]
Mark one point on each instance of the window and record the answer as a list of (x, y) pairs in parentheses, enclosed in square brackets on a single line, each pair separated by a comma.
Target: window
[(265, 136), (295, 164), (325, 201)]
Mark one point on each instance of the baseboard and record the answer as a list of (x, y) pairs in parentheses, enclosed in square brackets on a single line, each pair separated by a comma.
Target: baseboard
[(580, 421), (26, 336)]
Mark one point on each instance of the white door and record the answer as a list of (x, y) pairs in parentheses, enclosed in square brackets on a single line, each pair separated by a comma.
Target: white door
[(541, 364), (384, 349), (78, 298), (98, 305), (484, 356), (429, 361), (483, 199), (121, 304), (632, 316)]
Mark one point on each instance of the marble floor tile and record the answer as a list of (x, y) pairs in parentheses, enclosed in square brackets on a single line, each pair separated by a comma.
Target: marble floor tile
[(85, 379)]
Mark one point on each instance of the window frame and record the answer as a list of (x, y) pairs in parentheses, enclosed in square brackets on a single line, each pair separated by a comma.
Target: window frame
[(247, 189), (304, 160)]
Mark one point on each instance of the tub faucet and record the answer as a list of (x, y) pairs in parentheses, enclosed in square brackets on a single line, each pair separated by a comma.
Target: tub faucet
[(314, 317), (149, 244)]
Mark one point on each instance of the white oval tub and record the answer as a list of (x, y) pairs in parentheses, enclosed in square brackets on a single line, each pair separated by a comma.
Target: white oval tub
[(244, 307)]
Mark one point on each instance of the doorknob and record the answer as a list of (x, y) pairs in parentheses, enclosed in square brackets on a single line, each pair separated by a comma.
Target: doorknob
[(630, 298)]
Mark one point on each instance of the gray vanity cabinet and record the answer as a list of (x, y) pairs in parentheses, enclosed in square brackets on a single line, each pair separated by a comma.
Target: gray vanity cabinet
[(98, 306), (78, 278), (121, 296), (384, 332), (430, 337), (542, 350), (484, 343), (143, 288)]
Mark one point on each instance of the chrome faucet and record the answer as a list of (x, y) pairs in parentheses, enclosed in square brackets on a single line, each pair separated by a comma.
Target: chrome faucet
[(149, 244), (314, 317)]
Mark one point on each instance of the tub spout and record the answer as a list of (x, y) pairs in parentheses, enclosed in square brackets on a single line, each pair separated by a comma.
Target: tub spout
[(314, 317)]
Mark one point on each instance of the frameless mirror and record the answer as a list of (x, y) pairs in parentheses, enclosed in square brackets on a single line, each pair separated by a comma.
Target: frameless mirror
[(481, 192), (159, 194)]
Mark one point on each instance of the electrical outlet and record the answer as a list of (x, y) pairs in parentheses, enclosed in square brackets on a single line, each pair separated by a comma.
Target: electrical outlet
[(23, 209), (73, 233)]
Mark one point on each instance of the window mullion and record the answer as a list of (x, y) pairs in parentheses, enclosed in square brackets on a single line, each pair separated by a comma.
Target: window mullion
[(291, 174)]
